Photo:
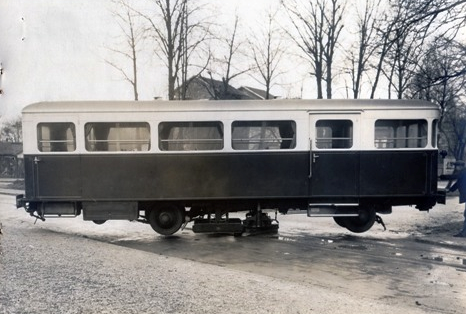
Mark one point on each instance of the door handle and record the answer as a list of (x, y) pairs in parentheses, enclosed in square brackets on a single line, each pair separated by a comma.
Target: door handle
[(36, 159), (314, 158)]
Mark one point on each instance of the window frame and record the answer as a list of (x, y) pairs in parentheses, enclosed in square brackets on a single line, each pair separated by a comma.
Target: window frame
[(398, 141), (187, 145), (334, 139), (66, 141), (144, 143), (285, 143), (435, 133)]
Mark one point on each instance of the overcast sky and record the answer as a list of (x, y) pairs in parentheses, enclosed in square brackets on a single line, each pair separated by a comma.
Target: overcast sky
[(57, 50)]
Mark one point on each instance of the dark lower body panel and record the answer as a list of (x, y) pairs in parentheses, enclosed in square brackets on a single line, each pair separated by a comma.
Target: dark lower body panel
[(231, 181)]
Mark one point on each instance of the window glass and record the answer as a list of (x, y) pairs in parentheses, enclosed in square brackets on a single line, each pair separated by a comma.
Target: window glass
[(334, 134), (188, 136), (434, 133), (400, 133), (256, 135), (117, 136), (56, 137)]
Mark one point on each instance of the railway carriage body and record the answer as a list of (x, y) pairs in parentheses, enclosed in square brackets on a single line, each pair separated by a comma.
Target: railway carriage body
[(167, 163)]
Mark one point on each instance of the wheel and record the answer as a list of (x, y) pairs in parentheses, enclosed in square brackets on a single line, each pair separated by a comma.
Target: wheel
[(166, 219), (99, 222), (340, 221), (361, 223)]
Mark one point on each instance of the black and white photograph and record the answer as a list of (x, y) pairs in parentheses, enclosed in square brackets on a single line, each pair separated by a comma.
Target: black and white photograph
[(261, 156)]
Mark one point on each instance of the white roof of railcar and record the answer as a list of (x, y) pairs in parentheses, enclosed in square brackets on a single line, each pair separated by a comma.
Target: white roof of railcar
[(227, 105)]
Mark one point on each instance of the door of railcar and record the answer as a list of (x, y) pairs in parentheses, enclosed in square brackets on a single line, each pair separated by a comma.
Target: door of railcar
[(334, 157), (56, 177), (57, 168)]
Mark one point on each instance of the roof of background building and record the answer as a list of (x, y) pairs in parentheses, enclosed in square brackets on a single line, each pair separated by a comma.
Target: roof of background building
[(10, 149), (255, 93)]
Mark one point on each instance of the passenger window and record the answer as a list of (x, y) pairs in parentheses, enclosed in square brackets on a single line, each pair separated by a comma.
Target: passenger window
[(400, 133), (256, 135), (117, 136), (56, 137), (334, 134), (190, 136)]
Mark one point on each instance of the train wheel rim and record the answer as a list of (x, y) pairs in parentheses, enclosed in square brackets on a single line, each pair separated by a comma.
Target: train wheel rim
[(363, 222), (166, 220)]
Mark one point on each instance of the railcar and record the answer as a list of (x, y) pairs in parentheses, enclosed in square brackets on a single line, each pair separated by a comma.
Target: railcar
[(170, 163)]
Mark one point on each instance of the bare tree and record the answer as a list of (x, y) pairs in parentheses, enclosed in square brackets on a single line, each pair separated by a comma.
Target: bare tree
[(334, 26), (402, 60), (308, 24), (172, 27), (12, 131), (318, 26), (407, 48), (454, 130), (407, 21), (364, 48), (449, 15), (267, 51), (133, 35), (167, 33), (441, 78), (194, 35), (227, 66), (391, 22)]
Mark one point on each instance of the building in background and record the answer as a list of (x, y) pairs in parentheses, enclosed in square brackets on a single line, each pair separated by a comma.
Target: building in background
[(11, 160), (256, 93), (200, 87)]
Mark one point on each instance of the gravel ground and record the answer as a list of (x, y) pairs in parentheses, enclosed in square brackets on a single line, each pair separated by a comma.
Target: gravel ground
[(47, 272)]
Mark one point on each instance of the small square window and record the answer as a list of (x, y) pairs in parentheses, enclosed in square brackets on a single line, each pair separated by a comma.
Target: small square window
[(56, 137), (334, 134)]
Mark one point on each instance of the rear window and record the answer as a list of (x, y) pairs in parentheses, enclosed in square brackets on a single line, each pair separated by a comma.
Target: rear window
[(400, 134), (56, 137)]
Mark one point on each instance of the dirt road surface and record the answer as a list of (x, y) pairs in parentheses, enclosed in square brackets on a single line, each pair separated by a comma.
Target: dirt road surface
[(310, 266)]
